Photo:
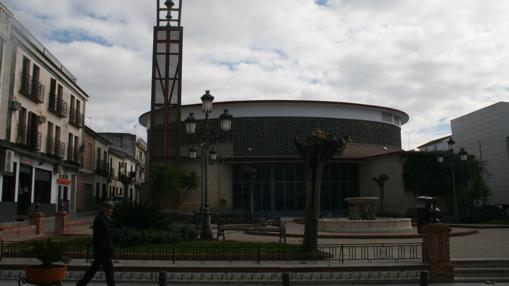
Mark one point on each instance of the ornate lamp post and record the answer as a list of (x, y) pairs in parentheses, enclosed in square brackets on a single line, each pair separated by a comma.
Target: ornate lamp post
[(463, 155), (205, 139)]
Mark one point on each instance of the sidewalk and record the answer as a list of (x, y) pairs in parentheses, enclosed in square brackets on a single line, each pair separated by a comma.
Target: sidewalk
[(102, 283)]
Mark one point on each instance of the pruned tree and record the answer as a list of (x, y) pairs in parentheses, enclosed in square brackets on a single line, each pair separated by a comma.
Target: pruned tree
[(251, 174), (316, 150), (380, 180), (167, 183)]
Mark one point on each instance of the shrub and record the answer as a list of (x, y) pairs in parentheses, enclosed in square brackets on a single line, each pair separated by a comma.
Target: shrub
[(139, 215), (175, 234), (49, 252), (485, 213)]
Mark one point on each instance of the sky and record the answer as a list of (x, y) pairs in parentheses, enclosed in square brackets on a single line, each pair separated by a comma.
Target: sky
[(435, 59)]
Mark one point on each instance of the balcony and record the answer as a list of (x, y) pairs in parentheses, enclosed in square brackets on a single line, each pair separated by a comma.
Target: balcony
[(55, 148), (57, 106), (28, 138), (73, 154), (31, 88), (102, 168), (76, 118)]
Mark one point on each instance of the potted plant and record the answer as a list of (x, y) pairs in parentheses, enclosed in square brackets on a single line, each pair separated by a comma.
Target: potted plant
[(48, 253)]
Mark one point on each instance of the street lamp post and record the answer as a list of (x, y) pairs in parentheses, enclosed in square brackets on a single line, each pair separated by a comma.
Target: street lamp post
[(205, 139), (463, 155)]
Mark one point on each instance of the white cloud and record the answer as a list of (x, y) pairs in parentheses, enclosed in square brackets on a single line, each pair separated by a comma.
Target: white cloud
[(435, 60)]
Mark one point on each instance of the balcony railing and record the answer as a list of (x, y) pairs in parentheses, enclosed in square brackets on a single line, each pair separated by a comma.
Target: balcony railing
[(102, 168), (28, 138), (76, 118), (31, 88), (73, 154), (55, 148), (57, 106)]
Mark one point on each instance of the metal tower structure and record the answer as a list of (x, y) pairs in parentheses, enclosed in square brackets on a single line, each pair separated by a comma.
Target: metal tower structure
[(166, 96)]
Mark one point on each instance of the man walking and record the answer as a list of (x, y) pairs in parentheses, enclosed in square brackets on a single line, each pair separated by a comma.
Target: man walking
[(103, 246)]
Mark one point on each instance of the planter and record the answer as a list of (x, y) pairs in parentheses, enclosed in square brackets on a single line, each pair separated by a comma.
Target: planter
[(39, 274)]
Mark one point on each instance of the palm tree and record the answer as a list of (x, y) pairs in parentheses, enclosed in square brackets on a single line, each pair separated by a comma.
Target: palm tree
[(380, 181), (316, 150)]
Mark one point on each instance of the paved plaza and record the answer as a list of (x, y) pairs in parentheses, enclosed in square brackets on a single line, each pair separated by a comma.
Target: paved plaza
[(488, 243)]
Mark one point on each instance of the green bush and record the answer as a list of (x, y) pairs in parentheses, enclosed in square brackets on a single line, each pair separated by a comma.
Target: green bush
[(139, 215), (49, 252), (174, 234), (484, 213)]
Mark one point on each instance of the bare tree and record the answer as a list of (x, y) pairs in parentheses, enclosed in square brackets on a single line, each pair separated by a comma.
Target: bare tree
[(380, 181), (316, 150)]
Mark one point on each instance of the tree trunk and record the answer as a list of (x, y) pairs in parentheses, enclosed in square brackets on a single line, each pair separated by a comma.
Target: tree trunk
[(312, 214), (382, 194), (251, 197)]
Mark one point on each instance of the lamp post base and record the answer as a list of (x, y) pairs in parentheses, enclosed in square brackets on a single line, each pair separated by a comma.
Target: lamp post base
[(206, 232)]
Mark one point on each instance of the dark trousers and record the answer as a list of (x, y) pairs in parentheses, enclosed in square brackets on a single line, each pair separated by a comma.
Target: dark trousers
[(107, 265)]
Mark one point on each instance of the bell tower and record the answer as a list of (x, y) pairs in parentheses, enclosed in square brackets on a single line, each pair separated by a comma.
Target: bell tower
[(166, 95)]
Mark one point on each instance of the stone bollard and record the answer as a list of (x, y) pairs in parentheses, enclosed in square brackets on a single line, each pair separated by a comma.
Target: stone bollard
[(436, 252), (60, 221), (162, 278), (37, 219), (285, 277)]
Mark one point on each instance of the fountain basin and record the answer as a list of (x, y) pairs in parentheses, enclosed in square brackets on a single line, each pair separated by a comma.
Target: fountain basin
[(378, 225)]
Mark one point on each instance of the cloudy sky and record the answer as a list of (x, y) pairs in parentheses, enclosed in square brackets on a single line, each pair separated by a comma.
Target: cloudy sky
[(434, 59)]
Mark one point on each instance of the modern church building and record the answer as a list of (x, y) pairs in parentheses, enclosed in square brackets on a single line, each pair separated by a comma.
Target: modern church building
[(262, 137)]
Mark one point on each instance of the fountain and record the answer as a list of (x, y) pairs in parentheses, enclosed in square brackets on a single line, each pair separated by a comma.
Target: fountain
[(362, 218)]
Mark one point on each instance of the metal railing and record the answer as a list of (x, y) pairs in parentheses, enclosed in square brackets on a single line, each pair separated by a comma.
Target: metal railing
[(76, 118), (28, 138), (73, 154), (57, 106), (54, 147), (31, 88), (340, 253), (102, 168)]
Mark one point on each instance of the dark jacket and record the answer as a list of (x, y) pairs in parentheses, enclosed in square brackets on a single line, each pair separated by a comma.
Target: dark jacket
[(103, 242)]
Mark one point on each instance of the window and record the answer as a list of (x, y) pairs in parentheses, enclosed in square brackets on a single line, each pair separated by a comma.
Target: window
[(70, 155), (98, 160), (71, 114), (76, 148), (52, 94), (35, 73), (42, 188), (26, 67), (8, 186)]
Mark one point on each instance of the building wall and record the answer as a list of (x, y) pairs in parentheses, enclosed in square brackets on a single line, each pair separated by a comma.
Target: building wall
[(34, 155), (485, 134), (42, 109), (85, 190), (396, 201), (101, 180), (5, 67)]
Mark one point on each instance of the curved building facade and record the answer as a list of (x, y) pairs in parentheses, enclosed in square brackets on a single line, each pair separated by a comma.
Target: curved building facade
[(262, 137)]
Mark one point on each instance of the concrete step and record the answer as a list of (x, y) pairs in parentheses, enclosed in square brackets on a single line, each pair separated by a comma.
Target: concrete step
[(484, 280), (483, 263), (486, 272)]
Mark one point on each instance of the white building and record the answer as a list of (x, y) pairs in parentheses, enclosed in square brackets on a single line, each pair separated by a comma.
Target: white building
[(41, 125), (439, 144), (485, 134)]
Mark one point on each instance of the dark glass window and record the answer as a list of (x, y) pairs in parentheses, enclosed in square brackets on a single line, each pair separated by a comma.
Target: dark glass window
[(42, 188), (281, 187), (9, 186)]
